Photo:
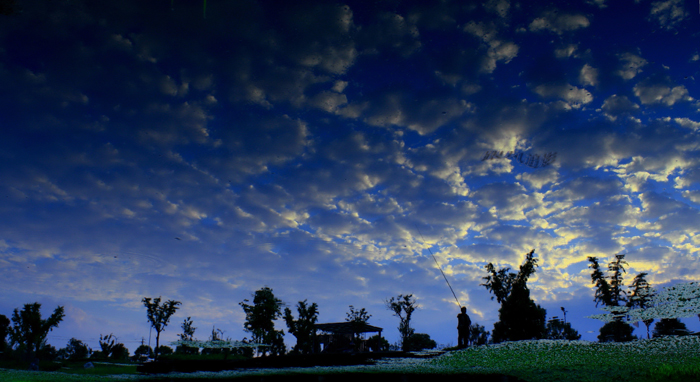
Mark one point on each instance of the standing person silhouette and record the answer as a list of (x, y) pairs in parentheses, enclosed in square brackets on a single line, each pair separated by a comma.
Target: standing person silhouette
[(463, 323)]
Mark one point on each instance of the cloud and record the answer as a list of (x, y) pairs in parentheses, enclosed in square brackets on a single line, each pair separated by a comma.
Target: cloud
[(588, 76), (669, 14), (651, 91), (615, 106), (559, 23), (574, 96), (630, 65), (688, 123), (498, 50)]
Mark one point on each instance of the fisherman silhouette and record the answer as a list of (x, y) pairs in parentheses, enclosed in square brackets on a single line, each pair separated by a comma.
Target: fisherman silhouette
[(463, 328)]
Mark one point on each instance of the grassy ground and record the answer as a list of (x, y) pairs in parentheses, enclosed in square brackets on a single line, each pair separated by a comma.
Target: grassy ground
[(666, 359)]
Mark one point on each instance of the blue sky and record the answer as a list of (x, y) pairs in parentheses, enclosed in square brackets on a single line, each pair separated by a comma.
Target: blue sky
[(160, 149)]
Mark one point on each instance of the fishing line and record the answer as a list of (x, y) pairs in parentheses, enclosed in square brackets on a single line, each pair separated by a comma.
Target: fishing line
[(439, 267)]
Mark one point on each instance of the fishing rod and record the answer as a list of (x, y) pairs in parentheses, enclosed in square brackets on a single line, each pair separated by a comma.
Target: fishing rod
[(440, 268)]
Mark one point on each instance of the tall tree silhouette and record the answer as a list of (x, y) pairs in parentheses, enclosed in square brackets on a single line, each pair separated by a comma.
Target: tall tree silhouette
[(259, 320), (519, 317), (403, 307), (159, 315), (303, 327), (611, 294), (29, 330), (641, 297)]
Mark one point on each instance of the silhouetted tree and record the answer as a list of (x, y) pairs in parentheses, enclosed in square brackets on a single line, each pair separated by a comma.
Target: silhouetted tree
[(560, 330), (164, 350), (669, 327), (358, 318), (519, 317), (260, 320), (641, 296), (616, 331), (303, 327), (187, 335), (107, 344), (29, 331), (611, 294), (478, 335), (4, 333), (378, 343), (403, 307), (159, 315), (143, 352), (119, 352), (418, 342), (77, 350)]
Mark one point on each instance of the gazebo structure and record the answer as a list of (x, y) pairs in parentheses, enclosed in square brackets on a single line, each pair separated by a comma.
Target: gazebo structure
[(344, 336)]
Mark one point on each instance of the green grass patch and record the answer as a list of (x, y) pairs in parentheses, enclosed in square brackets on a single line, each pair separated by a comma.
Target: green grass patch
[(546, 360)]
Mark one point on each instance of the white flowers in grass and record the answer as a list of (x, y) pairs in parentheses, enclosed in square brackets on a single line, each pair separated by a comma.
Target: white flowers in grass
[(681, 300)]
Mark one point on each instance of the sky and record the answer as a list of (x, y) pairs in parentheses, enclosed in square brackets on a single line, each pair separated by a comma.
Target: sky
[(200, 151)]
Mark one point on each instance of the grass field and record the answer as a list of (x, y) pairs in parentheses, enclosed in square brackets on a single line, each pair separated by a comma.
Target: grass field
[(663, 359)]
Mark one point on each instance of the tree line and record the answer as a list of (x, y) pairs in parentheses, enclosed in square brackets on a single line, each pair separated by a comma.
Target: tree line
[(520, 318)]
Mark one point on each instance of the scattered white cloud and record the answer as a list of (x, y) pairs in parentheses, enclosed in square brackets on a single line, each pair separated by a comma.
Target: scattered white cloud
[(588, 76), (650, 93), (559, 23), (630, 65), (573, 95), (669, 13), (566, 51)]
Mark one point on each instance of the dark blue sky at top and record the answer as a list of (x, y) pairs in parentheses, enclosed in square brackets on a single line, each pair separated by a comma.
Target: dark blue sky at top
[(148, 150)]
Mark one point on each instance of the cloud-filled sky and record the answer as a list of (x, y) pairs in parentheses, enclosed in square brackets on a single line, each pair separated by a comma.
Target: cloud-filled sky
[(324, 149)]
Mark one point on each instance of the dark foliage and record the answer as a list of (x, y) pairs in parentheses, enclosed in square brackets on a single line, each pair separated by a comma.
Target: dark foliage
[(378, 343), (641, 296), (29, 331), (303, 327), (260, 321), (560, 330), (478, 335), (142, 353), (616, 331), (403, 307), (669, 327), (4, 334), (77, 350), (119, 352), (519, 317), (159, 315), (419, 341)]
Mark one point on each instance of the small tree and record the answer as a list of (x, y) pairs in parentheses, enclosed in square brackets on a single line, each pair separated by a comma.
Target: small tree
[(358, 318), (4, 333), (419, 341), (119, 352), (670, 327), (611, 294), (519, 317), (29, 331), (560, 330), (143, 352), (403, 307), (478, 335), (159, 315), (77, 350), (377, 343), (107, 344), (303, 327), (641, 297), (260, 320), (187, 335)]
